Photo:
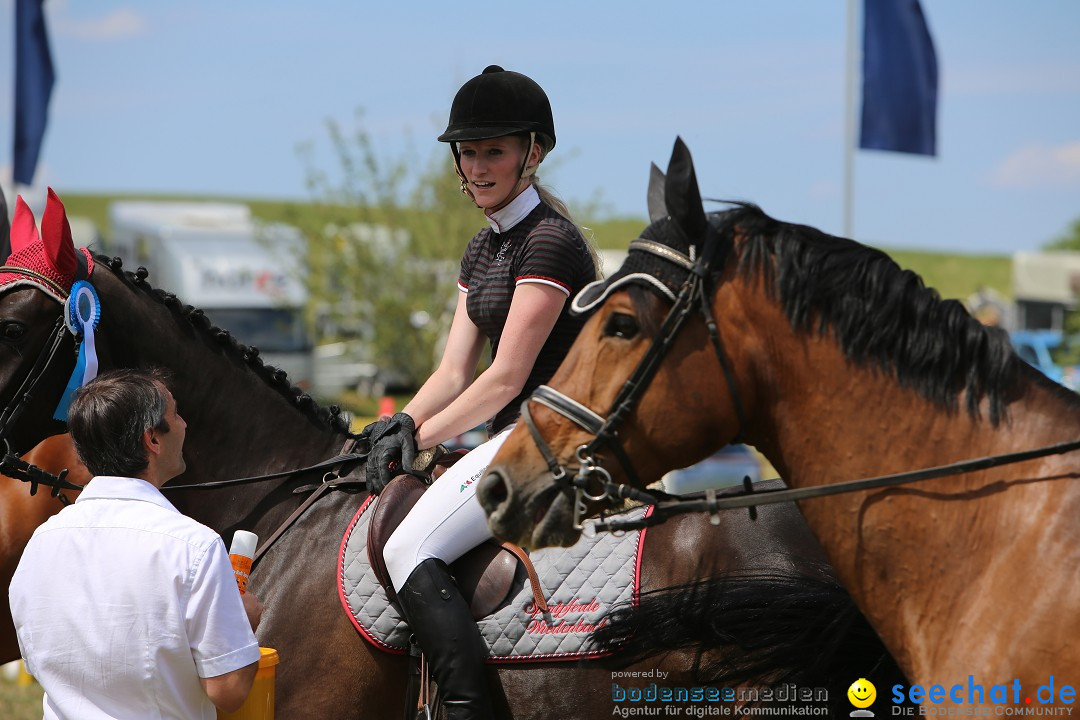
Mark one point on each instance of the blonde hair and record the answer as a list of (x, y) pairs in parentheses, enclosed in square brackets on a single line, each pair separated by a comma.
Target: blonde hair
[(555, 203)]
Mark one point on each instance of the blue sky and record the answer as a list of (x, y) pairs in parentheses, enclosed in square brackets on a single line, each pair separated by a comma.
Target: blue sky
[(201, 97)]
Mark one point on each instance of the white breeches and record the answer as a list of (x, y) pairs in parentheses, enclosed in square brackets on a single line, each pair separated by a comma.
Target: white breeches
[(447, 521)]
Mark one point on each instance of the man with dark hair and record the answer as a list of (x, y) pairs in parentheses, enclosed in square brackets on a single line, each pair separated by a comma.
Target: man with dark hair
[(124, 607)]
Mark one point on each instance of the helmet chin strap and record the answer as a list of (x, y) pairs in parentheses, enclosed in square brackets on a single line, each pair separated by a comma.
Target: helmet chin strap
[(526, 169)]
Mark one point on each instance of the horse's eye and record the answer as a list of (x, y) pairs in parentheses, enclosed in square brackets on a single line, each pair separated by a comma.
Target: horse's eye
[(12, 331), (621, 326)]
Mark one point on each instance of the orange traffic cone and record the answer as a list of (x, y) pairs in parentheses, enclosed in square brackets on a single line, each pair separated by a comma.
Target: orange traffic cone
[(386, 407)]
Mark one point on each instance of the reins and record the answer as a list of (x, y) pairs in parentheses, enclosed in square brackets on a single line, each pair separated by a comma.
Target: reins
[(747, 497), (336, 477), (17, 468), (323, 465)]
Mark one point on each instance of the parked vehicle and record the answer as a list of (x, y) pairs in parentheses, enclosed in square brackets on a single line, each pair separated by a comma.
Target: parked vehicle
[(1038, 349), (468, 440), (726, 467), (343, 366), (216, 257)]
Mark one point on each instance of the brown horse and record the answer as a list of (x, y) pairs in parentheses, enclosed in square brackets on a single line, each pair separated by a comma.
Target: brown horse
[(245, 419), (837, 365), (21, 513)]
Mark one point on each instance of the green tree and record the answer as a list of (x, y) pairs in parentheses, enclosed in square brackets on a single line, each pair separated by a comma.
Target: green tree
[(385, 236), (1069, 352), (1069, 241)]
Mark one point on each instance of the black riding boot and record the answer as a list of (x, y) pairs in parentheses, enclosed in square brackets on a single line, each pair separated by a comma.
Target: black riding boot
[(445, 630)]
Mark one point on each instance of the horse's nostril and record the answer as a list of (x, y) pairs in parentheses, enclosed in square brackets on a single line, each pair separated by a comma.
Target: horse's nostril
[(493, 490)]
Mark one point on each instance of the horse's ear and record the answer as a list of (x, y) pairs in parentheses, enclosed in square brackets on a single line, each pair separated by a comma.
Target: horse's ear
[(56, 234), (23, 228), (657, 206), (681, 193)]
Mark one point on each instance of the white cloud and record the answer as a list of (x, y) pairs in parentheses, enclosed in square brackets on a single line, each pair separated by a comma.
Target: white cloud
[(120, 23), (1039, 165)]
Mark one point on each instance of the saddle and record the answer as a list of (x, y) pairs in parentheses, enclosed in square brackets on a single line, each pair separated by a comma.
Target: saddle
[(484, 575)]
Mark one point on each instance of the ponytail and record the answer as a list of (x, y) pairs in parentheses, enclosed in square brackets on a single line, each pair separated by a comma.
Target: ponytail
[(555, 203)]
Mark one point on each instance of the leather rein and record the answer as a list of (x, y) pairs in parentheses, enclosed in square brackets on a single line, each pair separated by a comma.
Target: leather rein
[(591, 482)]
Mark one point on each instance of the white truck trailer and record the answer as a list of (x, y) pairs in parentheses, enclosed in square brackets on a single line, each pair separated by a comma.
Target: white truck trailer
[(1046, 286), (215, 256)]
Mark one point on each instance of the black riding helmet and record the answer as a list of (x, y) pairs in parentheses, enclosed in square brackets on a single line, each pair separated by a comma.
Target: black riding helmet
[(497, 103)]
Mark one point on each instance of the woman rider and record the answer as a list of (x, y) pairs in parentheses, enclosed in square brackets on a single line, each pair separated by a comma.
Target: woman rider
[(517, 277)]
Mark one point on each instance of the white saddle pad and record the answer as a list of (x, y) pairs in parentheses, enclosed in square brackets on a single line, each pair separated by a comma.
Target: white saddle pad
[(581, 584)]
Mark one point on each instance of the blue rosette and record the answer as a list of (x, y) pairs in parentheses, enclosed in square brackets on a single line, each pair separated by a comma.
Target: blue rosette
[(82, 313)]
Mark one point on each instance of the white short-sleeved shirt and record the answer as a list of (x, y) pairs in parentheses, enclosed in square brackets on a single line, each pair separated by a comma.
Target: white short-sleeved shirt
[(122, 603)]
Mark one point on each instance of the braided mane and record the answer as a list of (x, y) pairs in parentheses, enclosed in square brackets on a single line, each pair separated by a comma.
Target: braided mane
[(276, 378)]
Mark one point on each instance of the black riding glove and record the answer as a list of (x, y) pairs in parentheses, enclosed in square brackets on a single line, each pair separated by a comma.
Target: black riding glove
[(393, 449), (374, 431)]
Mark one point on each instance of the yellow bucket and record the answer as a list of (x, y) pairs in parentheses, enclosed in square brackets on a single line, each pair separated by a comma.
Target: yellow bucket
[(24, 678), (260, 702)]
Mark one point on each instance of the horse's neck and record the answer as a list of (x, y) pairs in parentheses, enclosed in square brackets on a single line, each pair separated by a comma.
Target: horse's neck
[(896, 549), (237, 424), (829, 420)]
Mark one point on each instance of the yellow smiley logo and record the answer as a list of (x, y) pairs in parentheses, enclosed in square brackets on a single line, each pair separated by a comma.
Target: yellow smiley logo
[(862, 693)]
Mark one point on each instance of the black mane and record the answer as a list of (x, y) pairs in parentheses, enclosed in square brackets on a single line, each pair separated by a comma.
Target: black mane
[(881, 316), (276, 378)]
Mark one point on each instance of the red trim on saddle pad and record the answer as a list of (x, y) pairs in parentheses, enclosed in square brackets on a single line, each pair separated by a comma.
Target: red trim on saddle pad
[(341, 585)]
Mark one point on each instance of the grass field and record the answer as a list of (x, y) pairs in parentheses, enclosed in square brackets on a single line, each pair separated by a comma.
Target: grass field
[(20, 702), (954, 276)]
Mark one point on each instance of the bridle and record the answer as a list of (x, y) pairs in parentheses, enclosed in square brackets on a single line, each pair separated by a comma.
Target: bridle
[(25, 394), (11, 465), (695, 292), (50, 351)]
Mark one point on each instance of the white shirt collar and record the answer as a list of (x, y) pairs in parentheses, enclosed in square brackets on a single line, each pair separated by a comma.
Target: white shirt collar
[(515, 211), (110, 487)]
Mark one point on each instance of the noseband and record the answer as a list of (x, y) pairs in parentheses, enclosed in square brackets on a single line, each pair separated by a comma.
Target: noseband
[(695, 293)]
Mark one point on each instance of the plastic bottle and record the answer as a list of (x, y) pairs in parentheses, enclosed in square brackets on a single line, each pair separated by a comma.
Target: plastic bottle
[(241, 554)]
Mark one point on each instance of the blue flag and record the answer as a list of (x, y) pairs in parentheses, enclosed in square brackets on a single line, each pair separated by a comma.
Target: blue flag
[(33, 85), (900, 78)]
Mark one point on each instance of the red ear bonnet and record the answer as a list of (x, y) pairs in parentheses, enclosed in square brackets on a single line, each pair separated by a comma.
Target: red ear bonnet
[(48, 262), (56, 236), (23, 227)]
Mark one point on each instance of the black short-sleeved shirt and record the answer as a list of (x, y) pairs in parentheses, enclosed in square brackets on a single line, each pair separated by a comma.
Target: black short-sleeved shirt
[(544, 248)]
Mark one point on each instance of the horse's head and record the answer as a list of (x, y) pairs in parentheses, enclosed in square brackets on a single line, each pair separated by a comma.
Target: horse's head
[(36, 350), (641, 392), (776, 333)]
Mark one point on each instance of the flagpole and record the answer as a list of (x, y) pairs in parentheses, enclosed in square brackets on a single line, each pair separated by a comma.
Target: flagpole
[(849, 117)]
